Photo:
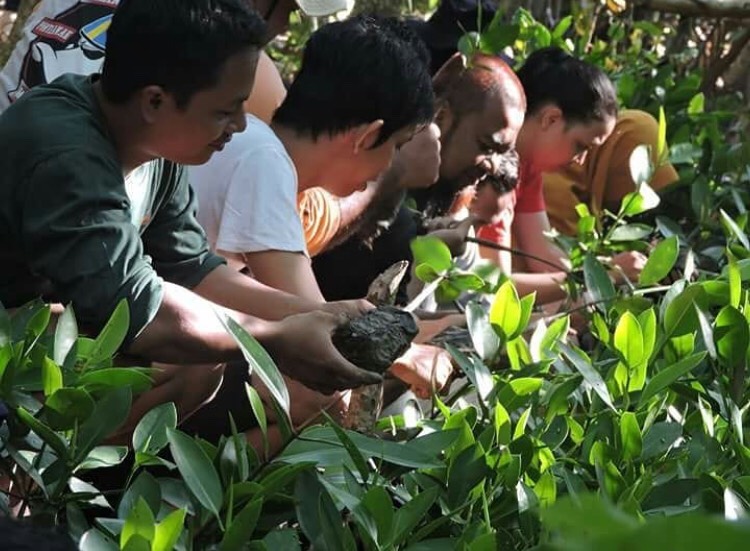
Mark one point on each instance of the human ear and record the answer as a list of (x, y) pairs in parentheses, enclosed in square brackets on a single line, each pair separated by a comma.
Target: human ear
[(151, 102), (444, 118), (549, 116), (366, 135)]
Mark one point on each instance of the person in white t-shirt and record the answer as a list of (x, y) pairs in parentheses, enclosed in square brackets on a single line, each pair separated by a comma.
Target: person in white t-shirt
[(363, 90), (69, 36)]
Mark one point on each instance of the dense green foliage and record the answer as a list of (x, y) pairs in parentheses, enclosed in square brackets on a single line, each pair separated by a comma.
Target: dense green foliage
[(630, 436)]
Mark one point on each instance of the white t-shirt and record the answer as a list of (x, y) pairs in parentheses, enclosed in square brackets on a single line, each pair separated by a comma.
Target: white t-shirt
[(247, 194), (61, 36)]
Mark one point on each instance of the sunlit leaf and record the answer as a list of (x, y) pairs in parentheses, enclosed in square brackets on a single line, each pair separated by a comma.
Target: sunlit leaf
[(112, 335), (660, 261), (139, 522), (505, 313), (731, 336), (641, 168), (664, 378), (583, 365), (150, 435), (168, 531), (630, 435), (66, 334), (432, 251)]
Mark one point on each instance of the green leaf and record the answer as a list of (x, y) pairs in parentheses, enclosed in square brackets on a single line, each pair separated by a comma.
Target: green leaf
[(259, 411), (52, 377), (630, 434), (641, 168), (197, 471), (629, 341), (731, 336), (168, 531), (467, 470), (598, 282), (680, 317), (639, 201), (502, 425), (545, 489), (661, 261), (666, 377), (486, 342), (505, 313), (137, 379), (150, 435), (112, 335), (285, 539), (94, 540), (735, 282), (432, 251), (6, 328), (380, 508), (66, 334), (259, 362), (647, 320), (661, 140), (697, 104), (707, 332), (630, 232), (140, 522), (476, 371), (466, 282), (659, 439), (350, 447), (583, 365), (734, 229), (68, 407), (426, 273), (527, 306), (49, 436), (242, 527), (144, 487), (110, 412), (409, 515), (103, 456)]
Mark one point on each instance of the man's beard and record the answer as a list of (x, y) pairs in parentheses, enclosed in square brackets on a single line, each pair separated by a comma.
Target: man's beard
[(436, 200)]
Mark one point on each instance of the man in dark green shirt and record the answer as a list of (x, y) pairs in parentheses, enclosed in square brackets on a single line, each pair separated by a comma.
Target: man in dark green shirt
[(91, 210)]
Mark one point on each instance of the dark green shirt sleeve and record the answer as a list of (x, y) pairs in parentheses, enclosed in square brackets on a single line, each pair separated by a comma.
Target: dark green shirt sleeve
[(174, 239), (78, 235)]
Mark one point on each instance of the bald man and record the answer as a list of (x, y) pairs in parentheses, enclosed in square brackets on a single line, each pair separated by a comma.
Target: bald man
[(479, 112)]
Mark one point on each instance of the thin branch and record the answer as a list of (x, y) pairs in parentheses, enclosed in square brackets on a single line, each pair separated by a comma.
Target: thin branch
[(498, 247)]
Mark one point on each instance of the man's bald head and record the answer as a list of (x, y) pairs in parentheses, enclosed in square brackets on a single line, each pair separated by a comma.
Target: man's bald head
[(466, 88)]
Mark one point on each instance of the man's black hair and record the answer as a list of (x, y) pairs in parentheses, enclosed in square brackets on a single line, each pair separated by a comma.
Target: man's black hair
[(582, 91), (180, 45), (357, 71), (22, 536)]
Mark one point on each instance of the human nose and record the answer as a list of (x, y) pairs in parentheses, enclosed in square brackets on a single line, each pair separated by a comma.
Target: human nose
[(239, 122)]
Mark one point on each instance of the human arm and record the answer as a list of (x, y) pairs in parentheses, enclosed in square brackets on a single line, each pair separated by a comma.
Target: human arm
[(286, 271), (529, 231), (187, 329), (174, 237)]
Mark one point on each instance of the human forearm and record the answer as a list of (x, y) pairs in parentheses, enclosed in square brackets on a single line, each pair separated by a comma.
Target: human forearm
[(239, 292), (548, 286), (187, 329), (286, 271)]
